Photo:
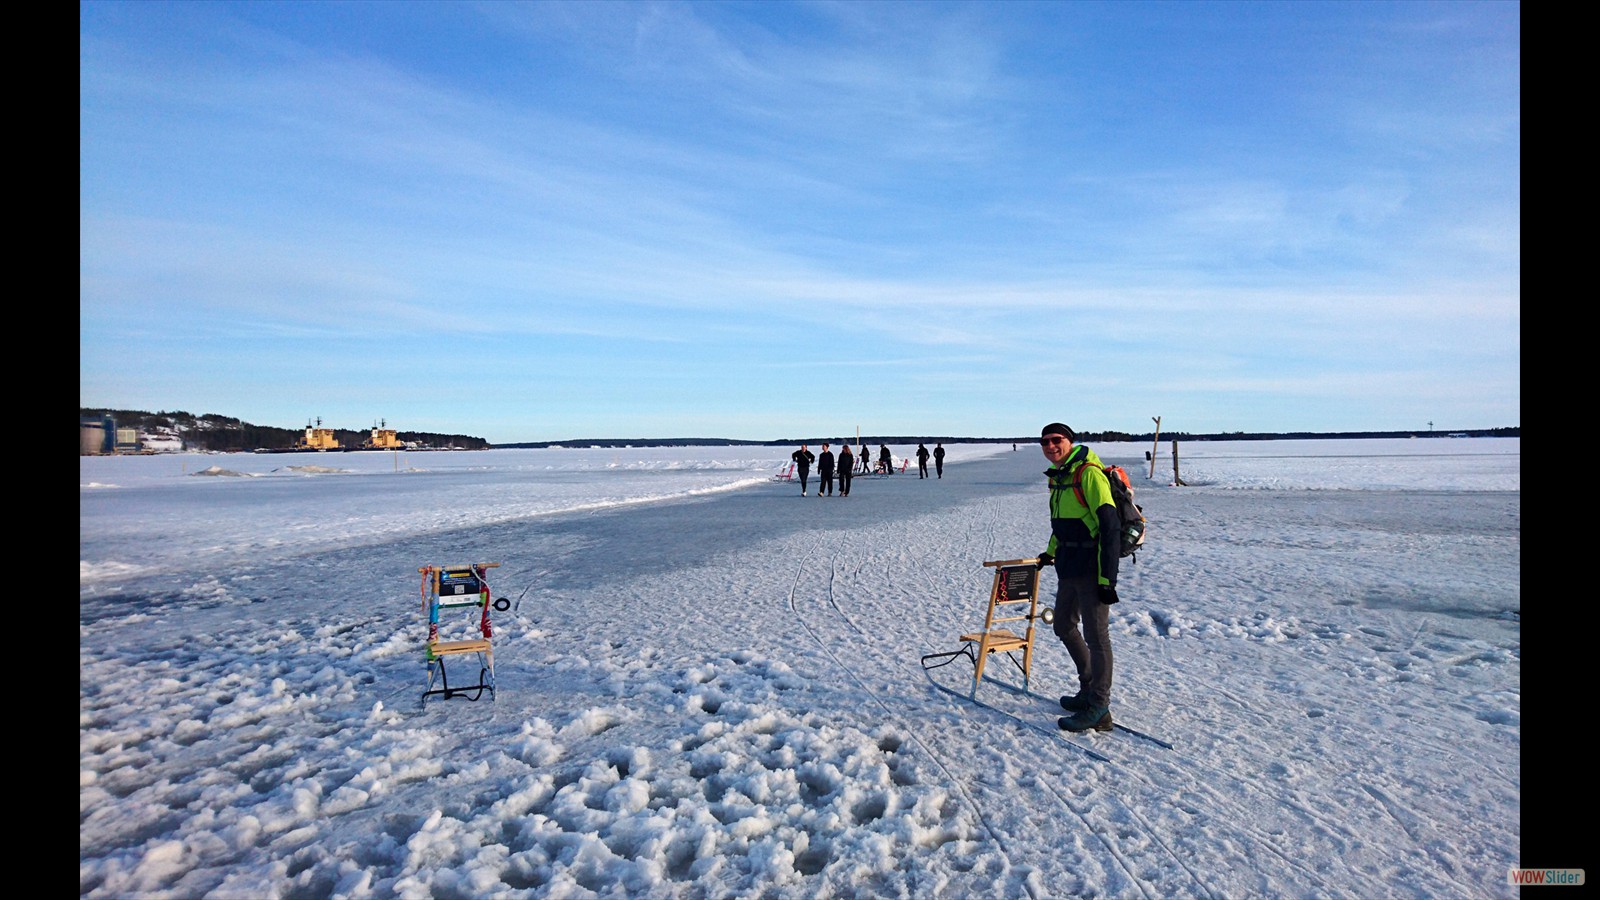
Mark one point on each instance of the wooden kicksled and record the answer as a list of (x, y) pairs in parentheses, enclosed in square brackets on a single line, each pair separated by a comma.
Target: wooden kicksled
[(1014, 597)]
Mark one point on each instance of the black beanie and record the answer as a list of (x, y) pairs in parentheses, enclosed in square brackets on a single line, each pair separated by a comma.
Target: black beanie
[(1058, 428)]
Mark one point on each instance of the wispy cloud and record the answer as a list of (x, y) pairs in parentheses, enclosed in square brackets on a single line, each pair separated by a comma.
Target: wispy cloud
[(738, 191)]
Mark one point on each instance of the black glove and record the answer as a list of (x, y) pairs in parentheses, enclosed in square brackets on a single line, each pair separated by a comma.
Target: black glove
[(1045, 559), (1108, 594)]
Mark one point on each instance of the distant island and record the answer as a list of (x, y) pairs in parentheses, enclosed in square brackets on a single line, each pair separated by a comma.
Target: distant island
[(212, 433), (226, 434)]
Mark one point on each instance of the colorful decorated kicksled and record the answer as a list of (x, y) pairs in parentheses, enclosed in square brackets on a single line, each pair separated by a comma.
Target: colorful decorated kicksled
[(455, 588)]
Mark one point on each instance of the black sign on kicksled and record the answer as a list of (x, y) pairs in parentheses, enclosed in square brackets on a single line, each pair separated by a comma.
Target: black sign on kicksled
[(1017, 583), (454, 582)]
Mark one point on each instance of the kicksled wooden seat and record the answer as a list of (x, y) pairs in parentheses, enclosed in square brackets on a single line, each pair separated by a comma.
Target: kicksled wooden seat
[(1013, 597), (447, 588)]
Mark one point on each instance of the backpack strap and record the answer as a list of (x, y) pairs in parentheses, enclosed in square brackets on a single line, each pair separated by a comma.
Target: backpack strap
[(1077, 482)]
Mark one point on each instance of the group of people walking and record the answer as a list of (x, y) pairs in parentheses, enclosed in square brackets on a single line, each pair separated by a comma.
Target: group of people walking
[(843, 466), (827, 467), (922, 460)]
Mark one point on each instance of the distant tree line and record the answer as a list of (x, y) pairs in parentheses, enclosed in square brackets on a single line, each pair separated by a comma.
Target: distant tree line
[(214, 433), (1088, 437), (223, 434)]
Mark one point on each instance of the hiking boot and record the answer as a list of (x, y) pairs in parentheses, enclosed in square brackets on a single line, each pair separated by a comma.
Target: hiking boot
[(1076, 702), (1098, 718)]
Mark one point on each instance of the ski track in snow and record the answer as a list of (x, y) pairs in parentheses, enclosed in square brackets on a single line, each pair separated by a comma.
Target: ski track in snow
[(1201, 780), (857, 633), (859, 636)]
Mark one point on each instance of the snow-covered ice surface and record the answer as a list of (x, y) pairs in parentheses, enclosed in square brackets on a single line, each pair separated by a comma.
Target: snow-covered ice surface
[(709, 686)]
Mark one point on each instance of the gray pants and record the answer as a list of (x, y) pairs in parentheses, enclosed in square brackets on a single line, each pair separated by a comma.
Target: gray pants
[(1078, 604)]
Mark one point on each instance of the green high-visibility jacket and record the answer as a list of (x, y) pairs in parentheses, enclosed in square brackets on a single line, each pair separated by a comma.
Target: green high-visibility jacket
[(1084, 536)]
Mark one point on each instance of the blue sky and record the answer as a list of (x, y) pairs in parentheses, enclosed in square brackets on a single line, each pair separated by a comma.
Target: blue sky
[(554, 220)]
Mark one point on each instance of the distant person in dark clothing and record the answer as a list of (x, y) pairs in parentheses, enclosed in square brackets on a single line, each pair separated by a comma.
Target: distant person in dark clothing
[(802, 464), (922, 460), (938, 459), (847, 464), (885, 461), (866, 459), (825, 471)]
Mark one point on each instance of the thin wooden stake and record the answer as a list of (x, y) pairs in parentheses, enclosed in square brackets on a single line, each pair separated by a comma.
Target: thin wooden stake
[(1155, 446)]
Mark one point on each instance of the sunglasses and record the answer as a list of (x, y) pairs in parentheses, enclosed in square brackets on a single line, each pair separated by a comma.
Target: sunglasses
[(1051, 441)]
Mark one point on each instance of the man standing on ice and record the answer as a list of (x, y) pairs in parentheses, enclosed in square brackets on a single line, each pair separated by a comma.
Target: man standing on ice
[(825, 471), (1085, 545), (802, 464), (847, 465)]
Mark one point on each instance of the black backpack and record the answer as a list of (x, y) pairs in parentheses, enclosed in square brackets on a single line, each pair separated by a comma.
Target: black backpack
[(1131, 513)]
